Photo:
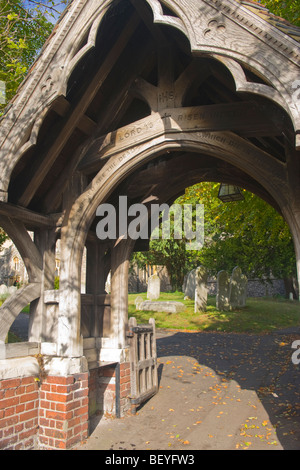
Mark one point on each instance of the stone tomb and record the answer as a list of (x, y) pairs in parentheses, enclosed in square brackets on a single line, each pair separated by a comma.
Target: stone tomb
[(161, 306)]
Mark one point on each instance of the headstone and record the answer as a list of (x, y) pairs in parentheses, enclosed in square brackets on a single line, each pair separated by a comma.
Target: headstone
[(153, 291), (3, 290), (162, 306), (238, 284), (201, 289), (223, 290), (138, 301), (243, 290), (190, 285)]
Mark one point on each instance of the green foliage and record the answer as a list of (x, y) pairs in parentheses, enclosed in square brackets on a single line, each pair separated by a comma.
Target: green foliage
[(253, 235), (248, 233), (288, 9), (56, 282), (24, 27), (259, 316)]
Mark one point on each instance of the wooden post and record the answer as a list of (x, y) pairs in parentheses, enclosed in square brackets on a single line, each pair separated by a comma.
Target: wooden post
[(96, 274), (119, 289), (39, 327)]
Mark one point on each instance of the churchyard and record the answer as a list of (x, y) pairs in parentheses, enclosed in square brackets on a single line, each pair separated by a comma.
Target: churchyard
[(260, 315)]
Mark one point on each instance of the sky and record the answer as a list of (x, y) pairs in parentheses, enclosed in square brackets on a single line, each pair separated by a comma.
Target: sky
[(57, 5)]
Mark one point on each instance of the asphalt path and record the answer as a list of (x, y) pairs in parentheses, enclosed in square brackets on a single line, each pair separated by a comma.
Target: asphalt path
[(217, 391)]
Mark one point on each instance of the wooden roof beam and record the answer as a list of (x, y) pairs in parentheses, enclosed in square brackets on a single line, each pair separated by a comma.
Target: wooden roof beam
[(72, 119), (28, 217), (62, 107)]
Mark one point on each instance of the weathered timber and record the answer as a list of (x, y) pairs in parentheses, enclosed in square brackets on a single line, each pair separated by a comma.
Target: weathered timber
[(74, 116), (14, 304), (242, 116), (28, 217), (143, 361)]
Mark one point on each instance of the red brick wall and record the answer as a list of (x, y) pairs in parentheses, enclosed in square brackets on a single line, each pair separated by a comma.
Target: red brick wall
[(19, 405), (125, 386), (54, 413), (63, 420)]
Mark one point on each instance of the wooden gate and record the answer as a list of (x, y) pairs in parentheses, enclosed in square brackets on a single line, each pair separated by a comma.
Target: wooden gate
[(143, 362)]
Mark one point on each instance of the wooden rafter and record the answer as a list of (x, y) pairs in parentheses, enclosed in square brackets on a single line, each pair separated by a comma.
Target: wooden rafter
[(74, 116)]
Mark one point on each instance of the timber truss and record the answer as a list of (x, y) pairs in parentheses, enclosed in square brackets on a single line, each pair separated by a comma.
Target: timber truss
[(139, 98)]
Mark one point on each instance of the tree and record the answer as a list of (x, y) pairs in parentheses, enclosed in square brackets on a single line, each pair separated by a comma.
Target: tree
[(172, 253), (24, 28), (288, 9), (248, 233)]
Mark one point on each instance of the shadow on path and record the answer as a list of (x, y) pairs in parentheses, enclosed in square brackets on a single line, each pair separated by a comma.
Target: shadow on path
[(217, 392)]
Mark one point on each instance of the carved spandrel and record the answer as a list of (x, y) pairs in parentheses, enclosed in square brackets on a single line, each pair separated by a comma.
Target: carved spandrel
[(188, 119)]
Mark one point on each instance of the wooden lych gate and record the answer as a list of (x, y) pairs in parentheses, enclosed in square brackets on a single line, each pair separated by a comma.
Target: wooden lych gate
[(135, 98), (143, 362)]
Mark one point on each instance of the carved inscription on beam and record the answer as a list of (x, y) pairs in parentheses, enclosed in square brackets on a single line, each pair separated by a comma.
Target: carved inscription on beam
[(243, 117)]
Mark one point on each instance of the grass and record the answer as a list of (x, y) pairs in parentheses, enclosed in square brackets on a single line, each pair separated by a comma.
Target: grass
[(259, 316)]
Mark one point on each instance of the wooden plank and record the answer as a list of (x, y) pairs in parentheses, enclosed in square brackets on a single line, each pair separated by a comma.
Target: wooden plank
[(103, 299), (91, 355), (39, 172), (89, 343), (241, 116), (28, 217), (146, 363), (21, 349), (87, 299)]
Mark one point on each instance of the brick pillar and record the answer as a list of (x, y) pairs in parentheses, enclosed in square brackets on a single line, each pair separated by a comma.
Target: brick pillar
[(19, 403), (63, 415)]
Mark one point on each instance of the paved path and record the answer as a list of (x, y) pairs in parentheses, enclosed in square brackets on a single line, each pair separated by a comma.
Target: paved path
[(217, 391), (20, 326)]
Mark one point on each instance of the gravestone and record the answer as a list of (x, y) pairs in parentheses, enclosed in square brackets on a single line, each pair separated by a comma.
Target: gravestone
[(223, 290), (235, 282), (238, 288), (3, 291), (190, 285), (201, 289), (138, 301), (153, 290), (243, 291)]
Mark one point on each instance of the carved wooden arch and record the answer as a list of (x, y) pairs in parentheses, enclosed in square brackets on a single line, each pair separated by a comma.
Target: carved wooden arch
[(222, 144), (276, 59), (212, 28)]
